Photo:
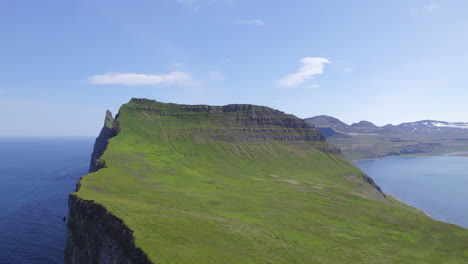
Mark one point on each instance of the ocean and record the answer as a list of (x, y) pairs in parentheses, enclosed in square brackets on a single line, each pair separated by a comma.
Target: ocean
[(36, 176), (437, 185)]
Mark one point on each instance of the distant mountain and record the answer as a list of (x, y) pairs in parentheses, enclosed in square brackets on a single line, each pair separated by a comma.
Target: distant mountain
[(366, 140), (431, 128), (365, 126), (327, 121), (329, 126)]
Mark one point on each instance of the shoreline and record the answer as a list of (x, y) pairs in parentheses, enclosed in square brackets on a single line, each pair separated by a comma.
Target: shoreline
[(415, 205), (463, 154)]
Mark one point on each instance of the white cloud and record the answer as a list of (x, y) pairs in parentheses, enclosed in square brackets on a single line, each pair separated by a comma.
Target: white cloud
[(310, 68), (255, 22), (431, 8), (216, 76), (173, 78)]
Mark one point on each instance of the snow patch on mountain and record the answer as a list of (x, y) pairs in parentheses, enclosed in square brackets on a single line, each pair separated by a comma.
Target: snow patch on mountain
[(447, 124)]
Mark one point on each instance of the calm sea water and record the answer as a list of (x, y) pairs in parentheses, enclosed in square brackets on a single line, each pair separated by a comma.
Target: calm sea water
[(436, 185), (36, 176)]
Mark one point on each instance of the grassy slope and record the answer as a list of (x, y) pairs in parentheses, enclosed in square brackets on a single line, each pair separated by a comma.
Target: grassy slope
[(193, 199)]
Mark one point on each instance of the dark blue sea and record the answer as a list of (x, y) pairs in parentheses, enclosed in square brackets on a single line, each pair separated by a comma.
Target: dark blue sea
[(436, 185), (36, 176)]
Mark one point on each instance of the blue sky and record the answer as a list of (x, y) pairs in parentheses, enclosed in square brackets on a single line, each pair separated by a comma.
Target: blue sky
[(63, 63)]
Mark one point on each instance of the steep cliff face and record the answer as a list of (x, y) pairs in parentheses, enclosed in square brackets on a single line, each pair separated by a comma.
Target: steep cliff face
[(94, 235), (109, 130), (238, 122)]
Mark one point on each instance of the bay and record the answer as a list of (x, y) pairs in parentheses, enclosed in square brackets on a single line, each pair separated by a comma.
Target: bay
[(437, 185)]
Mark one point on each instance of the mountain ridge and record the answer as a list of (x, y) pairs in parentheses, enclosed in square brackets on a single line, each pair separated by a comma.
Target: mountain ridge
[(366, 140), (177, 184)]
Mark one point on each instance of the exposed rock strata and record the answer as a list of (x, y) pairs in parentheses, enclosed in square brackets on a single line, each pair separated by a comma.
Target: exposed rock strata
[(109, 130), (96, 236), (240, 122)]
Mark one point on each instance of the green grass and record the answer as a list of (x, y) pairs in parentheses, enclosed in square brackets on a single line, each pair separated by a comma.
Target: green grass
[(192, 197)]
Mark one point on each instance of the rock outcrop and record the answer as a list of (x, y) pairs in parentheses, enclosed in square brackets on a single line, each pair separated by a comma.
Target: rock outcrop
[(109, 130), (96, 236), (93, 234)]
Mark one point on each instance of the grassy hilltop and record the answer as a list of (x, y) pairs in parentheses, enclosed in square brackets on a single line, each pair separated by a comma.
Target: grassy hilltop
[(249, 184)]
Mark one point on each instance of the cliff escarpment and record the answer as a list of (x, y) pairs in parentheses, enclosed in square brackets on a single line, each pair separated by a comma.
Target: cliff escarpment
[(94, 235), (236, 122), (109, 130), (238, 184)]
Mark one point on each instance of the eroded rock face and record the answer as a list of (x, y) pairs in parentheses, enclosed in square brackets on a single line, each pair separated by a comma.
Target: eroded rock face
[(109, 130), (238, 122), (96, 236)]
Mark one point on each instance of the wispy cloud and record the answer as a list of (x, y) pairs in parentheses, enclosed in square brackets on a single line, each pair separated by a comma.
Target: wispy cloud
[(310, 67), (255, 22), (432, 8), (216, 76), (428, 9), (134, 79)]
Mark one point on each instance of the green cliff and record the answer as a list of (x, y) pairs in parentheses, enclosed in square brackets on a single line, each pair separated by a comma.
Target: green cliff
[(238, 184)]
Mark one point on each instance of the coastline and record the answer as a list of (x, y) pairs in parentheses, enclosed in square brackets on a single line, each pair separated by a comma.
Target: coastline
[(411, 184), (463, 154)]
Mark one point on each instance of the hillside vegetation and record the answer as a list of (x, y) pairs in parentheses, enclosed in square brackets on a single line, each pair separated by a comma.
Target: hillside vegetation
[(249, 184)]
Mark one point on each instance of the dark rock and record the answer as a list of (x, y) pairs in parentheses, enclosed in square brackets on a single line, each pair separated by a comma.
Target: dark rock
[(109, 130), (96, 236)]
